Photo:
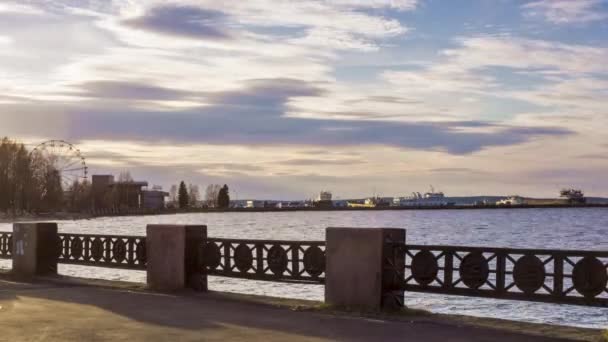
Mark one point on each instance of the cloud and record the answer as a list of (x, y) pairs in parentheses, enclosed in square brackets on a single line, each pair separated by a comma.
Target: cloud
[(330, 38), (265, 93), (17, 8), (229, 168), (566, 11), (527, 54), (182, 21), (256, 116), (402, 5), (596, 156), (454, 169), (311, 161), (511, 77), (4, 40), (130, 90)]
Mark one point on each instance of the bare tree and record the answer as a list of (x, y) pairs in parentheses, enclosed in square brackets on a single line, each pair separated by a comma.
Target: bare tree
[(27, 180), (79, 196), (173, 194), (125, 177), (211, 194), (194, 195)]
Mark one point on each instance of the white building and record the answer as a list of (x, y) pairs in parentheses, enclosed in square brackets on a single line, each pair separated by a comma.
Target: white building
[(254, 204)]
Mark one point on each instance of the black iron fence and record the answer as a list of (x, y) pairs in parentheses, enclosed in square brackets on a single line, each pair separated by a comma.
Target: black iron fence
[(275, 260), (6, 245), (115, 251), (556, 276)]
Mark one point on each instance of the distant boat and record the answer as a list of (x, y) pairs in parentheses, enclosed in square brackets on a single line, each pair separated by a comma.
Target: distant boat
[(371, 202), (430, 198), (513, 200), (573, 196), (433, 194)]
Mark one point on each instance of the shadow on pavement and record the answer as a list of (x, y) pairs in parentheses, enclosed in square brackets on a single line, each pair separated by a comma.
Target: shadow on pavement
[(208, 311)]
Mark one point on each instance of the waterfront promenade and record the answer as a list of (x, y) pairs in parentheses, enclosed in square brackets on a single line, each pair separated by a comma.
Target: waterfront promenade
[(63, 310)]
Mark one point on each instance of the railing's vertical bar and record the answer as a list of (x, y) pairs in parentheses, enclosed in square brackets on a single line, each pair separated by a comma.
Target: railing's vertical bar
[(295, 259), (259, 257), (501, 265), (108, 249), (227, 264), (131, 251), (65, 241), (448, 270), (558, 274), (87, 248)]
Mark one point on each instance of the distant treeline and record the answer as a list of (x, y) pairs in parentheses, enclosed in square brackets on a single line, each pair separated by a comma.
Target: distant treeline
[(30, 183), (183, 197)]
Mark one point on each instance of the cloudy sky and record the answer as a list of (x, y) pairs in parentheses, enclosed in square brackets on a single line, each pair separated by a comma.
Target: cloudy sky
[(281, 99)]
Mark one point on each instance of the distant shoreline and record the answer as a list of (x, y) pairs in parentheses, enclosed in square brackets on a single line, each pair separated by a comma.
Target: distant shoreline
[(389, 208), (84, 216)]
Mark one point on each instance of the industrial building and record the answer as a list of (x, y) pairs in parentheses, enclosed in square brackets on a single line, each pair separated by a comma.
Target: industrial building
[(108, 193)]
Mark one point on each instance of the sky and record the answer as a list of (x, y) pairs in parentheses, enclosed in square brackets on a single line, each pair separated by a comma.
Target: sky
[(282, 99)]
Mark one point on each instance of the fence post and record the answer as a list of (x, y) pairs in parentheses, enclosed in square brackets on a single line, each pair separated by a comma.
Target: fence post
[(357, 275), (174, 259), (36, 248)]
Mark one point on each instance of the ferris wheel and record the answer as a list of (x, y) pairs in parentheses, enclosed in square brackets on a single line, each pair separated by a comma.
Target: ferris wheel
[(66, 159)]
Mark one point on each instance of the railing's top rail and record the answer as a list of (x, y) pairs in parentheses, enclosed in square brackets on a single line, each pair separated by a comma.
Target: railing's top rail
[(278, 242), (210, 239), (565, 252), (105, 236)]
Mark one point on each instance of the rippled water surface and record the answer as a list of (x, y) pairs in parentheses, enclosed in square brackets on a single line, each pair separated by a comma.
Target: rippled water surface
[(532, 228)]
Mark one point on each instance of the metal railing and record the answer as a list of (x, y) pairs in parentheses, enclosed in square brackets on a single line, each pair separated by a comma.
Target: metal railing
[(271, 260), (274, 260), (540, 275), (114, 251), (6, 245)]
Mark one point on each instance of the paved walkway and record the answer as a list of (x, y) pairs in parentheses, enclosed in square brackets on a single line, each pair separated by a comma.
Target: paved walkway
[(55, 312)]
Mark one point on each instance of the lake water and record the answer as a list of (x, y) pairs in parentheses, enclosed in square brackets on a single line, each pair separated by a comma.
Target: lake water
[(585, 228)]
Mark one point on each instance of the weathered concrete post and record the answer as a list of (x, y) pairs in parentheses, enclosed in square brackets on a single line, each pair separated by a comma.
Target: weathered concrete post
[(174, 257), (359, 271), (35, 249)]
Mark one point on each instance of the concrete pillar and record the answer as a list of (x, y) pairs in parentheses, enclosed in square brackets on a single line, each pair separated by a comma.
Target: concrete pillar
[(357, 273), (174, 259), (36, 249)]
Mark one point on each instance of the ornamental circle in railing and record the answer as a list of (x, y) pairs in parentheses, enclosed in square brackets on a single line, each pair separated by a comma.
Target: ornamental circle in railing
[(212, 256), (97, 249), (140, 253), (314, 261), (119, 250), (76, 248), (424, 267), (58, 251), (474, 270), (277, 259), (589, 277), (529, 273), (243, 258)]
